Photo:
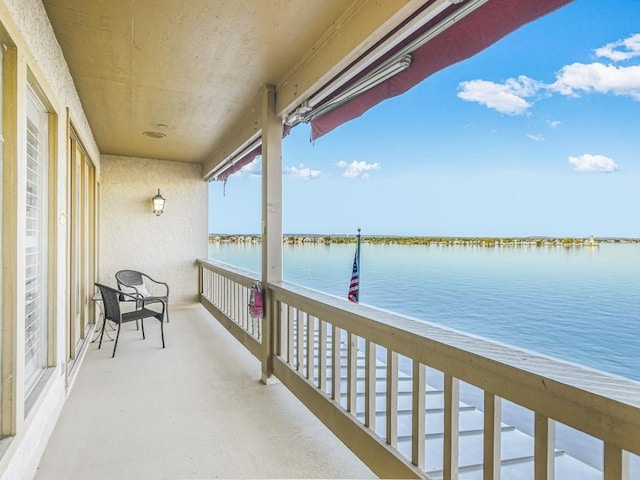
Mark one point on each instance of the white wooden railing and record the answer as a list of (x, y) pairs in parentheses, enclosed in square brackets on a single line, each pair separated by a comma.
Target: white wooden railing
[(363, 372), (224, 291)]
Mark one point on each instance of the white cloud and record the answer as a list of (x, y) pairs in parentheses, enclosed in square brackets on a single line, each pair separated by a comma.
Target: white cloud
[(536, 138), (508, 97), (600, 78), (253, 169), (621, 50), (513, 97), (593, 163), (303, 173), (357, 169), (553, 123)]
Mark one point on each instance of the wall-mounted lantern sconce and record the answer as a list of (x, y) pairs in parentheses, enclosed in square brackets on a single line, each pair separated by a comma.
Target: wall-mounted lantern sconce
[(158, 203)]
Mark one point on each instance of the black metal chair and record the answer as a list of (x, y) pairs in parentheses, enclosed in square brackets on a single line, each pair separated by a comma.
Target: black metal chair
[(153, 291), (111, 302)]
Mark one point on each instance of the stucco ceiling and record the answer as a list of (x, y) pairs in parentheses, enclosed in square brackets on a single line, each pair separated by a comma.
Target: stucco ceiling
[(186, 69)]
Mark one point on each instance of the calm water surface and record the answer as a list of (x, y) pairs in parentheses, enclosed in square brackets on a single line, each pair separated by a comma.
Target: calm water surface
[(579, 304)]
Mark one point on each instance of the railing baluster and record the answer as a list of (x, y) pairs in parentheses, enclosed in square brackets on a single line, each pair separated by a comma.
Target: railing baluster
[(255, 331), (352, 372), (616, 463), (418, 414), (223, 294), (290, 357), (322, 356), (492, 436), (226, 295), (451, 423), (370, 385), (244, 311), (544, 454), (239, 310), (311, 333), (283, 330), (335, 363), (234, 303), (392, 398), (300, 316)]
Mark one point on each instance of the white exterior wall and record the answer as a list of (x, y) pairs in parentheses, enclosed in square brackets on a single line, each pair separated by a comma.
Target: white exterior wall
[(132, 237), (27, 24)]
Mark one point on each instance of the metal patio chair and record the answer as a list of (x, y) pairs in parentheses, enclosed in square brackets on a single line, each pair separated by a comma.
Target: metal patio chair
[(153, 291), (111, 302)]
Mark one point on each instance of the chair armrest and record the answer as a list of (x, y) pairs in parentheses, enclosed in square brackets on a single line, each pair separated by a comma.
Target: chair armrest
[(135, 296), (166, 286), (161, 300)]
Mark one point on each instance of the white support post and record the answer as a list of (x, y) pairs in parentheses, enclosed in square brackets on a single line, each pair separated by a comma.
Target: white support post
[(271, 219), (335, 363), (544, 451), (300, 318), (492, 436), (322, 356), (370, 385), (418, 414), (451, 426), (392, 398), (352, 375)]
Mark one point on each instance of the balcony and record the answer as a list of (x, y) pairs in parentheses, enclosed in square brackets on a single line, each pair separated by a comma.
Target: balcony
[(193, 410), (220, 421), (362, 392)]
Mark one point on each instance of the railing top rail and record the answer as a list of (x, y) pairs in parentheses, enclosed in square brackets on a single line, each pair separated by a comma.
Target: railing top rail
[(239, 275), (602, 404)]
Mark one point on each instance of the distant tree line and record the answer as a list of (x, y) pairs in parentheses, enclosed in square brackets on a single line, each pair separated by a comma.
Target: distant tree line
[(414, 240)]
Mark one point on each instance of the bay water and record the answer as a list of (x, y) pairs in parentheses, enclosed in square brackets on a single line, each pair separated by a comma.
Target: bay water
[(579, 304)]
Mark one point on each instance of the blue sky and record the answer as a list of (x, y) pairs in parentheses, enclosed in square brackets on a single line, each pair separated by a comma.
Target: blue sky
[(537, 135)]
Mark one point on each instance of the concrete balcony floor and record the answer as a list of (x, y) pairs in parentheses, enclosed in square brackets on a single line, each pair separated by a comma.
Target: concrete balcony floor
[(193, 410)]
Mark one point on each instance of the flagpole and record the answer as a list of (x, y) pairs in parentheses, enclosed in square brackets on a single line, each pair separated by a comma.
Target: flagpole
[(358, 249), (354, 285)]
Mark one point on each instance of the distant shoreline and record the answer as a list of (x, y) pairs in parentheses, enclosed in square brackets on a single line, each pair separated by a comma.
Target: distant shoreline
[(318, 239)]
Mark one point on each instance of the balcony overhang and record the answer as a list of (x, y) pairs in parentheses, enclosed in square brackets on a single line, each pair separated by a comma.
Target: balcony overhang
[(193, 71)]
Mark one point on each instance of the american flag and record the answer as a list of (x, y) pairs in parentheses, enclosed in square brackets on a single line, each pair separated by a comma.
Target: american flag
[(354, 286)]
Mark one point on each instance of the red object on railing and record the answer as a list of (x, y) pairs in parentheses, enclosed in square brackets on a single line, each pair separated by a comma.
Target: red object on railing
[(256, 301)]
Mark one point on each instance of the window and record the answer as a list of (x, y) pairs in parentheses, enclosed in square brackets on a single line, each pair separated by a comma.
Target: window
[(36, 241)]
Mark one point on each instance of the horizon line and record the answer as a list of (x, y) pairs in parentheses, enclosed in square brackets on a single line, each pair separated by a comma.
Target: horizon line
[(614, 237)]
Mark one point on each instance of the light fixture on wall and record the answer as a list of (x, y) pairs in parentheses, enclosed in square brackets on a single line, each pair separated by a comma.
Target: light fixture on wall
[(158, 203)]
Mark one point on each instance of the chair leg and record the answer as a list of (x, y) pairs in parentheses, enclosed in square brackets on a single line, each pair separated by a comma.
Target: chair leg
[(116, 344), (104, 324), (142, 323), (162, 330), (167, 313)]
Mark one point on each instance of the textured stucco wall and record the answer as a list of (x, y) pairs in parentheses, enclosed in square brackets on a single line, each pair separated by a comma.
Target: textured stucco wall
[(133, 237), (28, 26)]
